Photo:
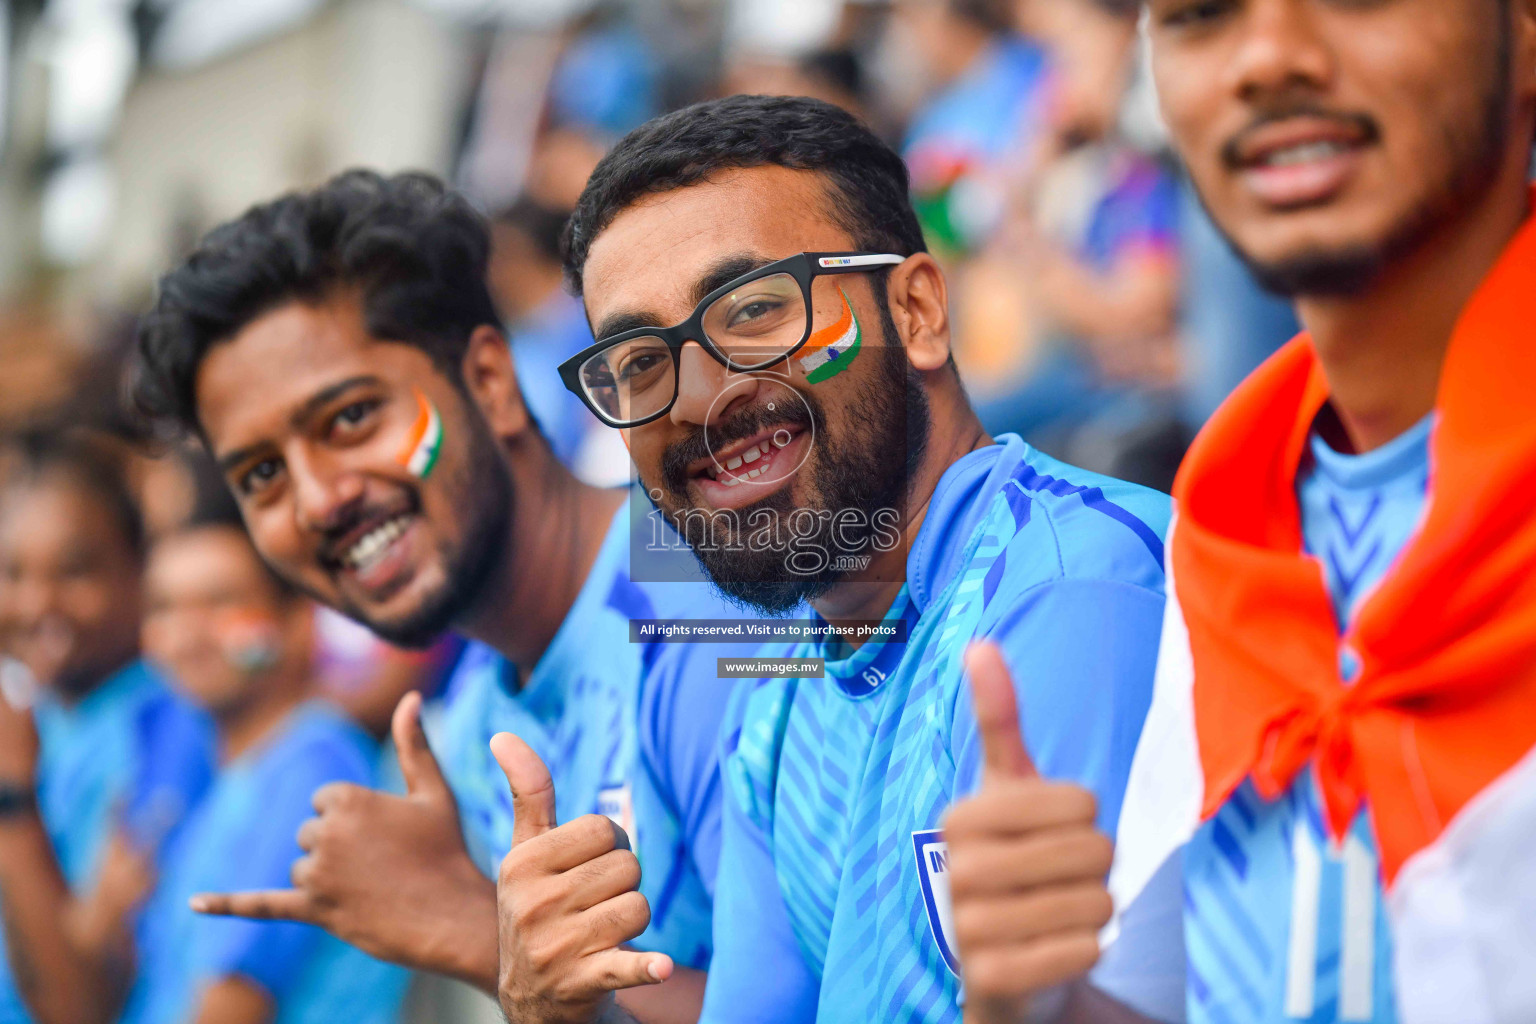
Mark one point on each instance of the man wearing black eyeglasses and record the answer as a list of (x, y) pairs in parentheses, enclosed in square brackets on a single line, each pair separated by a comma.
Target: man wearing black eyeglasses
[(775, 347)]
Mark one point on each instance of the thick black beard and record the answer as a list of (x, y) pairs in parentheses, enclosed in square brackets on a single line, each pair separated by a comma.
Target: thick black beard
[(486, 498), (1353, 271), (863, 474)]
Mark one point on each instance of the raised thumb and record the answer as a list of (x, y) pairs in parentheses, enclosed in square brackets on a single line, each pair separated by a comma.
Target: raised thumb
[(418, 764), (997, 715), (533, 791)]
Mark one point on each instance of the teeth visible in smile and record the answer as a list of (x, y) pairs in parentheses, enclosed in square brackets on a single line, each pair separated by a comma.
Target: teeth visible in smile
[(1306, 152), (370, 547), (757, 451)]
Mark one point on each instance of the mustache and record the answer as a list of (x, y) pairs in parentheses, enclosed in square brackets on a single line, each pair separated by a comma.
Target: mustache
[(678, 457), (1232, 150), (341, 532)]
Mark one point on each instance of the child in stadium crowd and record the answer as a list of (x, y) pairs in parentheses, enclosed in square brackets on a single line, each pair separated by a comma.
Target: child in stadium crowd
[(775, 345), (237, 641), (341, 356), (106, 757), (1335, 783)]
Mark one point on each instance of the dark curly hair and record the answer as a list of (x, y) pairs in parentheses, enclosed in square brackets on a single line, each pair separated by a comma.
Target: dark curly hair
[(866, 179), (414, 249)]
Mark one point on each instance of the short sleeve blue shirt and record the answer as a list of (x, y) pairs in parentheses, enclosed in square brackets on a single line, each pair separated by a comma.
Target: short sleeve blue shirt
[(833, 896), (242, 836), (1282, 923), (131, 747)]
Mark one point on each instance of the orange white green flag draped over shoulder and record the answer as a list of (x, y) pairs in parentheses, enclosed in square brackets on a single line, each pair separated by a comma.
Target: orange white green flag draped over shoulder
[(1436, 734)]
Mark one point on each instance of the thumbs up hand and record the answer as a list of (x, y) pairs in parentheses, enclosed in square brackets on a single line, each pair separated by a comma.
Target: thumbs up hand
[(568, 899), (388, 874), (1027, 865)]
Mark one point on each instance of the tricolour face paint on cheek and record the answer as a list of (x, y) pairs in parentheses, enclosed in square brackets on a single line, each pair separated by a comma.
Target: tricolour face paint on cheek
[(425, 443), (830, 350), (250, 642)]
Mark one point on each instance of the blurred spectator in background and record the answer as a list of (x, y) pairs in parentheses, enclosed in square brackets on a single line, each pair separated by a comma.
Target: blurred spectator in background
[(107, 756), (834, 74), (238, 642), (603, 81), (984, 86), (1231, 324), (1069, 312), (18, 686), (546, 325), (607, 79), (366, 677)]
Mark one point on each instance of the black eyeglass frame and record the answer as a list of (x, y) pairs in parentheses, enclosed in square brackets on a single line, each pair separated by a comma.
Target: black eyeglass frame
[(804, 267)]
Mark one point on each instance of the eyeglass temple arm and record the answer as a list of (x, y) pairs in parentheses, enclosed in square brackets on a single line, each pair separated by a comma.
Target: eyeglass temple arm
[(835, 263)]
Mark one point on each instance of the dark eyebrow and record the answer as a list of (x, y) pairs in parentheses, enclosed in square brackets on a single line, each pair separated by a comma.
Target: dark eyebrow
[(325, 396), (315, 402), (724, 271), (229, 461), (618, 323)]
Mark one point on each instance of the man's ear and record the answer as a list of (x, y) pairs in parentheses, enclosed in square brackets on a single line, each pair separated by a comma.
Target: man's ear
[(491, 380), (919, 299), (1524, 14)]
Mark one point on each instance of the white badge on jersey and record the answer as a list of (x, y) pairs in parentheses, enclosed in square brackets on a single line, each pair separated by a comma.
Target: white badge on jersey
[(933, 875), (616, 804)]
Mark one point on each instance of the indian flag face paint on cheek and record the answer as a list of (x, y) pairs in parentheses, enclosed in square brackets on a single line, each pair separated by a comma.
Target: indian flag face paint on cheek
[(250, 642), (419, 456), (830, 350)]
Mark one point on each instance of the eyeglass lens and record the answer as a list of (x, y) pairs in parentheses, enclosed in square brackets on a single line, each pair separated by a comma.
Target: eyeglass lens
[(753, 325)]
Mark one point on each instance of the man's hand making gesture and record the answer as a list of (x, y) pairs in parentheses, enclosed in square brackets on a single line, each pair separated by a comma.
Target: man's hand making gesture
[(389, 874), (568, 899), (1027, 870)]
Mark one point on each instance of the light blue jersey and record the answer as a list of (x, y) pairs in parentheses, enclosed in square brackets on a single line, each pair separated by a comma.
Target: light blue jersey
[(629, 730), (242, 836), (130, 754), (1280, 923), (833, 895)]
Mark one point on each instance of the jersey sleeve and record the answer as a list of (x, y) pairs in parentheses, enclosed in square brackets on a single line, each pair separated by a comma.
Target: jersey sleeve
[(683, 706), (175, 768), (272, 954), (1082, 654), (758, 973)]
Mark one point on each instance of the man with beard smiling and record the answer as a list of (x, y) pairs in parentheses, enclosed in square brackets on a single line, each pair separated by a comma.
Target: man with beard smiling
[(338, 353), (1336, 780), (775, 343)]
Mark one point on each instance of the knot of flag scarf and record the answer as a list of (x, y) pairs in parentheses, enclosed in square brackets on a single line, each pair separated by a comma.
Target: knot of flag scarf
[(1441, 707), (1318, 732)]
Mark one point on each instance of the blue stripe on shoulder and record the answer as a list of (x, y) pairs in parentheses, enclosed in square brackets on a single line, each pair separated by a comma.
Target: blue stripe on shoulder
[(628, 599), (1030, 479)]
